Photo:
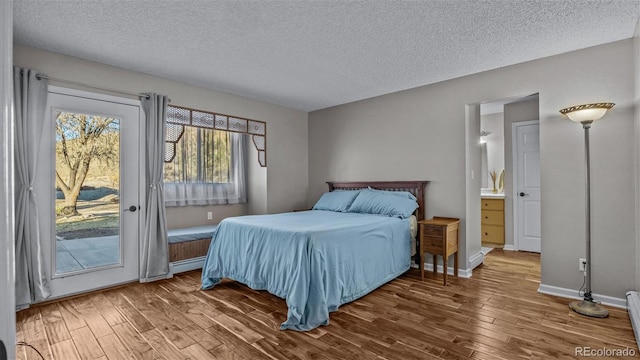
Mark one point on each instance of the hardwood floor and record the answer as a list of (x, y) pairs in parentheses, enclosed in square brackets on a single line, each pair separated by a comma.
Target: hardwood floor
[(496, 314)]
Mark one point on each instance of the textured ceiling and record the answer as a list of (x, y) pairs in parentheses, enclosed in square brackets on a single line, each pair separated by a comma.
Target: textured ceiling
[(311, 55)]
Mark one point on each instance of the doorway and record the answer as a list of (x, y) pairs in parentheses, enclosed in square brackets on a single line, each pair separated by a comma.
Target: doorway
[(520, 110), (492, 171), (95, 171)]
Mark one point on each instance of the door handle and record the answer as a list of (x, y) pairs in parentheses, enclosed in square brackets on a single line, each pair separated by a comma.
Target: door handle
[(523, 194), (132, 208)]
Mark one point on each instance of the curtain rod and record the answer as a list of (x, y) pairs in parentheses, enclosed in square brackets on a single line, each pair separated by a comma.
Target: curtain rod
[(40, 76)]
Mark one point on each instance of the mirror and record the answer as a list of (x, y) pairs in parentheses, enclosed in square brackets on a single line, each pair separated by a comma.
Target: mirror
[(492, 143)]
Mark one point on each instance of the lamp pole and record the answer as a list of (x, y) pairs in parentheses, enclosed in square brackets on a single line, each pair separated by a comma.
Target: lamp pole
[(586, 114), (587, 181), (587, 306)]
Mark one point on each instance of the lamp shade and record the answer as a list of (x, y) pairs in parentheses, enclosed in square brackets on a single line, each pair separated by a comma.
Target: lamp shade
[(587, 112)]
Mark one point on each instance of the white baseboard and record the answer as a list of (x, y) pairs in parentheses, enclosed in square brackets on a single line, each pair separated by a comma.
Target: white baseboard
[(429, 267), (509, 247), (475, 260), (186, 265), (573, 294), (461, 272)]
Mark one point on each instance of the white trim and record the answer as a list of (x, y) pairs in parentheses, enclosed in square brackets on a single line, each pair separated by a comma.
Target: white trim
[(428, 267), (514, 176), (573, 294), (475, 260), (509, 247), (81, 292), (7, 222), (186, 265)]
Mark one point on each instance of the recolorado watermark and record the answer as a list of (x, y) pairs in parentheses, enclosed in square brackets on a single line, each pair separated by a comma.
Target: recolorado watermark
[(586, 351)]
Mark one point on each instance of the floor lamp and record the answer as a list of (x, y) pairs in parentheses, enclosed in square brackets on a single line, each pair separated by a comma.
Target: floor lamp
[(587, 114)]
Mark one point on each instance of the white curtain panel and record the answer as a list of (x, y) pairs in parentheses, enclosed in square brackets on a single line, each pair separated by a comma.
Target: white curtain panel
[(154, 261), (30, 99), (233, 192)]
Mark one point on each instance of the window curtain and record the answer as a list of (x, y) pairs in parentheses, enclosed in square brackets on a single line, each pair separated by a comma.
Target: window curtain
[(154, 262), (30, 99), (233, 192)]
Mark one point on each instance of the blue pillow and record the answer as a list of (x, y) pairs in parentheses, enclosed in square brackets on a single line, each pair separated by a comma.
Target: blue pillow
[(377, 202), (337, 200), (406, 194)]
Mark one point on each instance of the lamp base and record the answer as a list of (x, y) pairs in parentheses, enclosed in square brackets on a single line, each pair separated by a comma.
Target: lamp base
[(589, 308)]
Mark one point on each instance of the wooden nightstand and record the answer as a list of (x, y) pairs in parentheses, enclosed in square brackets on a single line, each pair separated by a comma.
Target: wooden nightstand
[(439, 236)]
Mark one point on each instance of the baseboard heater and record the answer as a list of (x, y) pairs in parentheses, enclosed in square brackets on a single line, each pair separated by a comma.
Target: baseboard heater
[(633, 307)]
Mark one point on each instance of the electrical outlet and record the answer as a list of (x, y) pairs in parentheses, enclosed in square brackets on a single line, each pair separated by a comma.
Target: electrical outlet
[(581, 264), (209, 215)]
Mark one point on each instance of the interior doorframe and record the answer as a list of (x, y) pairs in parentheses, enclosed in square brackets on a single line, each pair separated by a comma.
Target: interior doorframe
[(514, 175), (141, 158)]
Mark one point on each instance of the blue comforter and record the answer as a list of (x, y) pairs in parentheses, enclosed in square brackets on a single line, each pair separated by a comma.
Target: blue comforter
[(316, 260)]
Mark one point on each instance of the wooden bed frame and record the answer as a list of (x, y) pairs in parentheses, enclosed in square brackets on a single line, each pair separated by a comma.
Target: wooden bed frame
[(414, 187)]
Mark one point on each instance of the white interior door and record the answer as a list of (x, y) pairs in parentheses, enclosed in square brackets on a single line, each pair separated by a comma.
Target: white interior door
[(527, 186), (94, 217)]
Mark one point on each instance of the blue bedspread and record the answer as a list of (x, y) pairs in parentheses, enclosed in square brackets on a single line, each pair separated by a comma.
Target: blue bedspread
[(316, 260)]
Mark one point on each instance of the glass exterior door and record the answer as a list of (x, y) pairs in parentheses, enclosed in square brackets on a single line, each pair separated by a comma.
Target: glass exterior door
[(95, 206)]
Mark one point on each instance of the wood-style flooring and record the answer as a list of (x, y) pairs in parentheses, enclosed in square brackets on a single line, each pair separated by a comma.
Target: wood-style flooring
[(496, 314)]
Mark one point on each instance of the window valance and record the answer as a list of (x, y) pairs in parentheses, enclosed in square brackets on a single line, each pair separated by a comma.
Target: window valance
[(178, 117)]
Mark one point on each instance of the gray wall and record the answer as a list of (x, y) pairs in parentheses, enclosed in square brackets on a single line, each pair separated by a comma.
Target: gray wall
[(515, 112), (7, 251), (420, 134), (470, 239), (281, 187)]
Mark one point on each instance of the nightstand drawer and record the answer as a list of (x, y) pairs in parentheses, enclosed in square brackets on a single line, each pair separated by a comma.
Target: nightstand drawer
[(492, 204), (492, 217), (431, 242), (435, 231), (493, 234)]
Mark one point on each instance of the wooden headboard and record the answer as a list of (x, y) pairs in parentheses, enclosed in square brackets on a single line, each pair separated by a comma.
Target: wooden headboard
[(414, 187)]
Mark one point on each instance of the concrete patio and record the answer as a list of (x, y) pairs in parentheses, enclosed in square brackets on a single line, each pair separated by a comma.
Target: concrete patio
[(82, 254)]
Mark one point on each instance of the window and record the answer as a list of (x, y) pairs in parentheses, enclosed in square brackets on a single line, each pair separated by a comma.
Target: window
[(203, 166), (201, 156)]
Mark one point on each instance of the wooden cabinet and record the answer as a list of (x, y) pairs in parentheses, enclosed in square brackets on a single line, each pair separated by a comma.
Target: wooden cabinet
[(492, 221), (439, 236)]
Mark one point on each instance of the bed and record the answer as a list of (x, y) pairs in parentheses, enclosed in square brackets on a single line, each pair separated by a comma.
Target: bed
[(320, 259)]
